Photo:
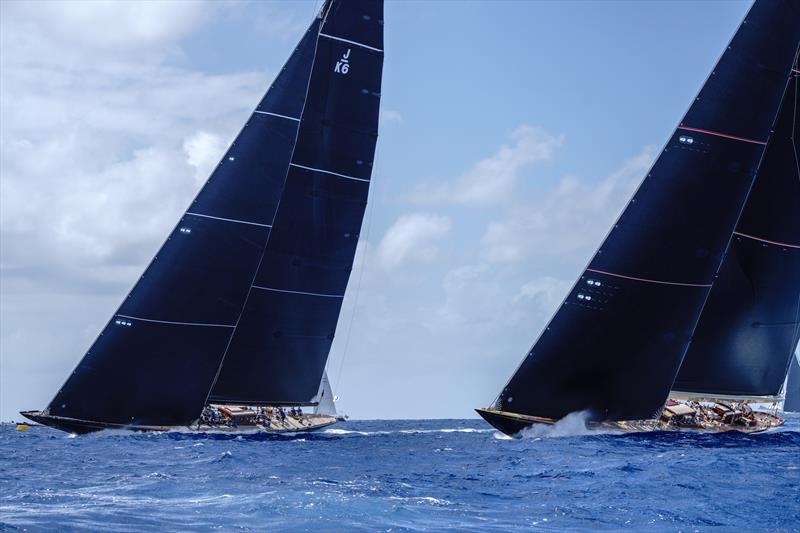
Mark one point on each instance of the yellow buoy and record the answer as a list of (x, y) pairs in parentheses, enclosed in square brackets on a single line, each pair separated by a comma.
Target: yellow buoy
[(22, 427)]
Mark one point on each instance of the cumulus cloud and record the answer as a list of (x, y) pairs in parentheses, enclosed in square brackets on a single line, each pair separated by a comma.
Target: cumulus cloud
[(569, 216), (547, 291), (492, 181), (101, 155), (390, 116), (412, 238), (203, 150)]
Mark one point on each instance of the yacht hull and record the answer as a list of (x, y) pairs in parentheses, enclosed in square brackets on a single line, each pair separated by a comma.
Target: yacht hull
[(513, 423), (82, 427)]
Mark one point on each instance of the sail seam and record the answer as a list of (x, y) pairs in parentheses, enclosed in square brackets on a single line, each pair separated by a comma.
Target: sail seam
[(329, 172), (725, 135), (348, 41), (177, 323), (649, 280), (299, 292), (740, 234), (229, 220), (276, 115)]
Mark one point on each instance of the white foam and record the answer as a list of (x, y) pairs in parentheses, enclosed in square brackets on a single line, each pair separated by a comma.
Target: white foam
[(572, 425), (337, 431)]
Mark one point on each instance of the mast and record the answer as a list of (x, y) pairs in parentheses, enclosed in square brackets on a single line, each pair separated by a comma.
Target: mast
[(281, 344), (750, 325), (615, 345)]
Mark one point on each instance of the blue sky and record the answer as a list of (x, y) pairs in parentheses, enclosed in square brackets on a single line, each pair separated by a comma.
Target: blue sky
[(512, 133)]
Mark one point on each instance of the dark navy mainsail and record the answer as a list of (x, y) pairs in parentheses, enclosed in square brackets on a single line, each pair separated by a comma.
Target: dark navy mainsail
[(279, 184), (749, 328), (616, 343), (281, 344)]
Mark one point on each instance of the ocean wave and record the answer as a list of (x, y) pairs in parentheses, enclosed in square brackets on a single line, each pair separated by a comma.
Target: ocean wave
[(420, 431)]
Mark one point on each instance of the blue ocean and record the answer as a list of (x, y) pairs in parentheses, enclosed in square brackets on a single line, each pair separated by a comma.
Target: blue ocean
[(413, 475)]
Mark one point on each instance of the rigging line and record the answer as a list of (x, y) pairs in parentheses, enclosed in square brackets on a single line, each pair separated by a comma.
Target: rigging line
[(274, 215), (363, 267)]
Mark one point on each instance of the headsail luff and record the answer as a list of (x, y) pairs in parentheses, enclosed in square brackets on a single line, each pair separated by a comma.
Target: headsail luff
[(281, 345), (750, 324), (614, 346), (155, 361)]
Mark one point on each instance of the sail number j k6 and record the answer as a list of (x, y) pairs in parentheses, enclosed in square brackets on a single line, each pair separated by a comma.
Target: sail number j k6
[(343, 65)]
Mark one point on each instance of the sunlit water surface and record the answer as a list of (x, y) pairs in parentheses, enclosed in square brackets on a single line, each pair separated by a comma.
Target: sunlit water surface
[(400, 475)]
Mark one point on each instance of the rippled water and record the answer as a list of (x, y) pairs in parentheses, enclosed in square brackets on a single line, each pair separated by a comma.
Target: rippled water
[(400, 475)]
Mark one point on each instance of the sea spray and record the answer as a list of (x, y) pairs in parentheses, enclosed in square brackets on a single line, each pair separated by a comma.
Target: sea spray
[(572, 425)]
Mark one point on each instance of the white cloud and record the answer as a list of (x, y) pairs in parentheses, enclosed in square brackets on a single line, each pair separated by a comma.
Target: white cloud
[(278, 23), (100, 156), (572, 215), (412, 238), (203, 150), (388, 116), (547, 291), (493, 180), (111, 24)]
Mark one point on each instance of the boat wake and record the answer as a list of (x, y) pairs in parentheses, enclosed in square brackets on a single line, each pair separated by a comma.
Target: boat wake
[(572, 425), (345, 432)]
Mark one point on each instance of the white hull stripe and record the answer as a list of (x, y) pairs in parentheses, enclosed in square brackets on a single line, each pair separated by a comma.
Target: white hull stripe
[(350, 42), (776, 243), (328, 172), (649, 280), (177, 323), (229, 220), (277, 115), (299, 292)]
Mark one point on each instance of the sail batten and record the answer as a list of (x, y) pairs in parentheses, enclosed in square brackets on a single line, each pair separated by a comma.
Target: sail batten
[(615, 345)]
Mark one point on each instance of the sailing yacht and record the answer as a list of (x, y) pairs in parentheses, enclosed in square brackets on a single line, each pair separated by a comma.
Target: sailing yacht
[(689, 308), (231, 324)]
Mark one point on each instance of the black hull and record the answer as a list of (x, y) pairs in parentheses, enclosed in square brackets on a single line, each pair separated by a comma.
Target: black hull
[(81, 427), (513, 423)]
